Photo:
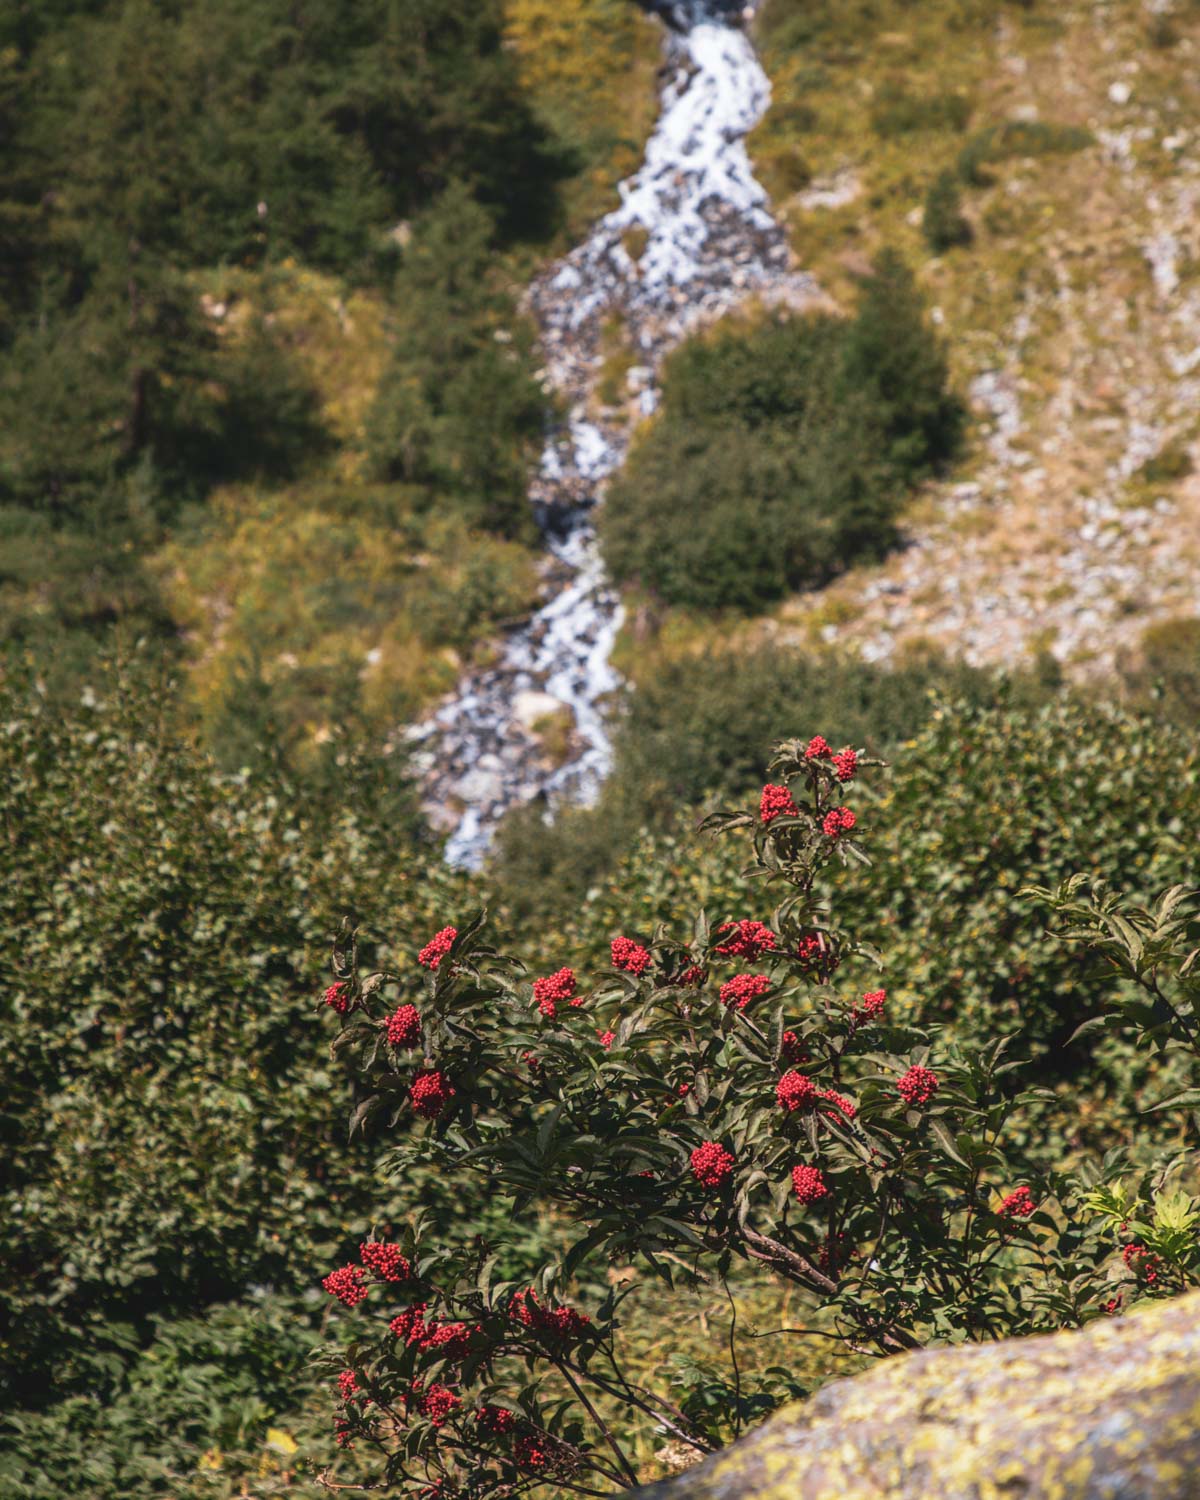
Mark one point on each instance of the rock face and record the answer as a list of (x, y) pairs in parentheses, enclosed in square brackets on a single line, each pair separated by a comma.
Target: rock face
[(1112, 1413)]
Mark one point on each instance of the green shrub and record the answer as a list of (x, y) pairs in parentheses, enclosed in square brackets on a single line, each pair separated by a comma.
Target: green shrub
[(943, 223), (896, 112), (458, 411), (168, 1110), (1017, 138), (1167, 671), (781, 456)]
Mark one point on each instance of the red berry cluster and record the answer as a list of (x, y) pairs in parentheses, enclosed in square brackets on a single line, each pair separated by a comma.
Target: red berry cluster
[(917, 1086), (871, 1008), (818, 748), (556, 988), (559, 1322), (530, 1453), (338, 996), (1144, 1264), (439, 1403), (793, 1048), (838, 820), (809, 1185), (346, 1284), (497, 1420), (742, 988), (776, 802), (694, 976), (347, 1385), (607, 1038), (429, 1093), (815, 953), (437, 947), (409, 1326), (845, 1106), (845, 764), (630, 956), (404, 1027), (1113, 1305), (711, 1164), (1018, 1204), (795, 1091), (749, 939), (385, 1260)]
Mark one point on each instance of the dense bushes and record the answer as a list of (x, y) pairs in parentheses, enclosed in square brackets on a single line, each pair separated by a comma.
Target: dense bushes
[(167, 1111), (700, 726), (782, 455)]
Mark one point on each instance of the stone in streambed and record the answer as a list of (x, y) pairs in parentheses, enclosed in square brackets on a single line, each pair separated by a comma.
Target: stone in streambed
[(1110, 1413)]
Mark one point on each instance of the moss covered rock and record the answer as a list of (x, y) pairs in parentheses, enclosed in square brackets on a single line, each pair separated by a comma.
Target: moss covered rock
[(1113, 1411)]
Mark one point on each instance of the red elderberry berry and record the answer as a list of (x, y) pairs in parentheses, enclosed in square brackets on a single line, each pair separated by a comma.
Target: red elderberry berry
[(338, 996), (409, 1326), (871, 1008), (815, 954), (346, 1284), (385, 1260), (530, 1454), (748, 940), (1018, 1204), (439, 1403), (844, 1106), (793, 1048), (694, 976), (917, 1086), (429, 1093), (404, 1027), (1113, 1305), (1144, 1264), (449, 1340), (437, 947), (558, 1322), (794, 1091), (818, 748), (776, 802), (809, 1184), (630, 956), (742, 988), (347, 1384), (607, 1038), (553, 990), (845, 764), (496, 1419), (711, 1164), (837, 821)]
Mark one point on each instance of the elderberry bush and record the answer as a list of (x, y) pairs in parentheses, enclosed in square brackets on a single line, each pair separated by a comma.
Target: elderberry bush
[(732, 1088)]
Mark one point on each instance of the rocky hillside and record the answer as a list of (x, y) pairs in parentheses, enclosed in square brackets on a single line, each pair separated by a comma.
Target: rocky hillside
[(1072, 315)]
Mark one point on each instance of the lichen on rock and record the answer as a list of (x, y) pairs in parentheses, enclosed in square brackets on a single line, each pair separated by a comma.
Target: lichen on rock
[(1112, 1411)]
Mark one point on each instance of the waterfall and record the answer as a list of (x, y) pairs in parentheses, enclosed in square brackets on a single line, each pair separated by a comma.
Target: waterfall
[(709, 241)]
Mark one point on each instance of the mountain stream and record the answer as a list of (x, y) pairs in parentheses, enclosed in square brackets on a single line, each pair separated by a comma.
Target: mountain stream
[(692, 238)]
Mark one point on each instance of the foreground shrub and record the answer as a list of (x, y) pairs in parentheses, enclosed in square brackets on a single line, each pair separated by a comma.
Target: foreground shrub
[(782, 455), (725, 1091)]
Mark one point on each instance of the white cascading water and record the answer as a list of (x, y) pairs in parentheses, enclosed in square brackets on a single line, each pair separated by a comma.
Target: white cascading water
[(709, 241)]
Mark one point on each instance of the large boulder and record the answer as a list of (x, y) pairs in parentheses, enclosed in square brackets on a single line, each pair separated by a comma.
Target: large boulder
[(1110, 1413)]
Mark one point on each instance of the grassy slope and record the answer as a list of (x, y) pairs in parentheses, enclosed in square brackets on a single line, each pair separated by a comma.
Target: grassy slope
[(1056, 296), (1051, 534)]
